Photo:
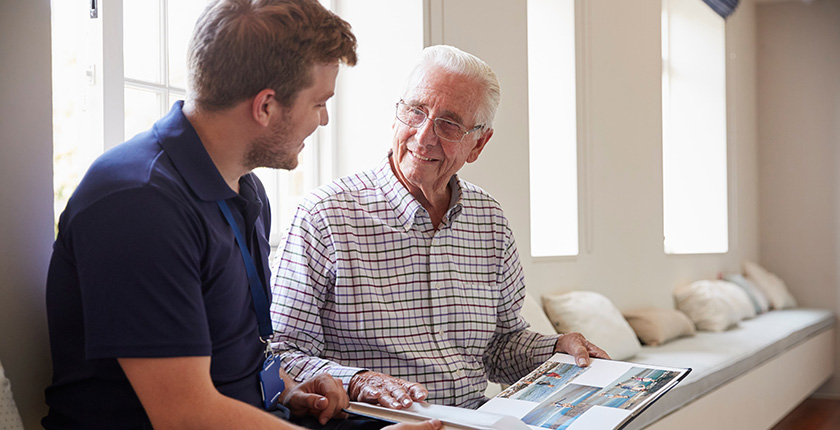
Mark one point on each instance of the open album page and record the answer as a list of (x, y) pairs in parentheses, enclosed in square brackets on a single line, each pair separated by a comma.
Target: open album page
[(605, 395)]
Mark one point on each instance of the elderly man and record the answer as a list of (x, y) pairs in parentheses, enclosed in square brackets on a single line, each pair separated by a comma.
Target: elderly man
[(406, 272), (156, 293)]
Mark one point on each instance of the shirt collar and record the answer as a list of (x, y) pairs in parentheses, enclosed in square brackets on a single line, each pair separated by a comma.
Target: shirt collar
[(456, 203), (405, 206), (183, 146)]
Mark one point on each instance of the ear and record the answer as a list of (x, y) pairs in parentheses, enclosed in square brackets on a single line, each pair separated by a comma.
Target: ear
[(479, 145), (263, 105)]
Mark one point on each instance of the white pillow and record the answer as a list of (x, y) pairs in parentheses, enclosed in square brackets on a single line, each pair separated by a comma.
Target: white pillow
[(772, 286), (709, 304), (594, 316), (534, 314), (9, 416)]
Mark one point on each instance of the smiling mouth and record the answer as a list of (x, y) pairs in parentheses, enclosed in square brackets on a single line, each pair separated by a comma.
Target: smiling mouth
[(420, 157)]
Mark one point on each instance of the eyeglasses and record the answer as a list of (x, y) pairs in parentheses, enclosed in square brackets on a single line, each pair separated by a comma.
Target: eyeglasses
[(445, 129)]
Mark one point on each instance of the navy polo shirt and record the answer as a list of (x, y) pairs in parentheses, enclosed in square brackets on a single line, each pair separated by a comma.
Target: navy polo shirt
[(145, 265)]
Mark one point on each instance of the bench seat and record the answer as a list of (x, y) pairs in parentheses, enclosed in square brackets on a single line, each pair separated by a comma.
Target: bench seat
[(718, 359)]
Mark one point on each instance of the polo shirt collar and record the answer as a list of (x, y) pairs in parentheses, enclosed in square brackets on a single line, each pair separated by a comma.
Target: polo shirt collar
[(404, 205), (183, 146)]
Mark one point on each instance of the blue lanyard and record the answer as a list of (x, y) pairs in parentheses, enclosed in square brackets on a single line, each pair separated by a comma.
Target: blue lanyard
[(257, 290)]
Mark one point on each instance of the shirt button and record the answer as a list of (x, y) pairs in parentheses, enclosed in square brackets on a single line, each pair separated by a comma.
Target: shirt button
[(459, 372), (437, 285)]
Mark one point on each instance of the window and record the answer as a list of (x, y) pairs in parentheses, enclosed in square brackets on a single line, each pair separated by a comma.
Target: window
[(363, 113), (73, 77), (115, 75), (552, 111), (694, 161), (155, 37)]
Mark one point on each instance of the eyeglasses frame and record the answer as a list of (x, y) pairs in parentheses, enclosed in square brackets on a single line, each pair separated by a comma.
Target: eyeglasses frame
[(426, 117)]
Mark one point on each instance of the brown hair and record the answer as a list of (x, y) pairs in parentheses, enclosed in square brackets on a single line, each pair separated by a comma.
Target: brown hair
[(241, 47)]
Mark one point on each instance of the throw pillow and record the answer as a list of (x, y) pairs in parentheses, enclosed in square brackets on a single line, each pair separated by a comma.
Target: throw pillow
[(594, 316), (772, 285), (656, 326), (739, 299), (707, 304), (534, 314), (9, 416), (758, 298)]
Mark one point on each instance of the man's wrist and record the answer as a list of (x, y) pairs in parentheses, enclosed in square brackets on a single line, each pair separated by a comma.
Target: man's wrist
[(290, 384), (344, 374), (557, 342), (351, 386)]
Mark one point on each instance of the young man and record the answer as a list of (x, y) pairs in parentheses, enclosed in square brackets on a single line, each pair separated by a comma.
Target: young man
[(153, 315)]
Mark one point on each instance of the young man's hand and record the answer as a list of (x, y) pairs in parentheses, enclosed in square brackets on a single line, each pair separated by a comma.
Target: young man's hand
[(321, 396)]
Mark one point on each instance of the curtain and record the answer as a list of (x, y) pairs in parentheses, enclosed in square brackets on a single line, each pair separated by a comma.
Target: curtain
[(724, 8)]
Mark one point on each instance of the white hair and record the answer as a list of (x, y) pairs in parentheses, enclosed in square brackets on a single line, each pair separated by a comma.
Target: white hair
[(457, 61)]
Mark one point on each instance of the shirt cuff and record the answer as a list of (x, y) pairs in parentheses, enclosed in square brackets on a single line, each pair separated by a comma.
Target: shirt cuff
[(544, 348), (345, 374)]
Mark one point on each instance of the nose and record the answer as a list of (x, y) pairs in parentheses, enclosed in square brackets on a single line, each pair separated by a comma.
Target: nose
[(325, 116), (426, 133)]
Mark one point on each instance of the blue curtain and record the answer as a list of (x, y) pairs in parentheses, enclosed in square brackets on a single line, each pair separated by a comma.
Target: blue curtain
[(724, 8)]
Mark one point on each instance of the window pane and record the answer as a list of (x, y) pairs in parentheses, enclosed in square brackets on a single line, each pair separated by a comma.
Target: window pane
[(552, 111), (366, 93), (174, 96), (76, 143), (141, 40), (142, 109), (694, 129), (180, 23)]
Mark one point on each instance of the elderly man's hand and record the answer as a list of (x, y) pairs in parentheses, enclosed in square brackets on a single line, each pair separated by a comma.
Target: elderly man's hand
[(321, 396), (388, 391), (578, 347)]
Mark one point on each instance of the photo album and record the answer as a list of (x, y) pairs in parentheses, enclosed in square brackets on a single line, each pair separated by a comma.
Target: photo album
[(607, 394)]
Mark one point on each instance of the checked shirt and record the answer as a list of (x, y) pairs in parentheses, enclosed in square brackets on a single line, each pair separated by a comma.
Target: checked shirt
[(363, 280)]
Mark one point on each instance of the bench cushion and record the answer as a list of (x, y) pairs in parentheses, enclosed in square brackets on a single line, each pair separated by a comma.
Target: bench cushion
[(716, 358)]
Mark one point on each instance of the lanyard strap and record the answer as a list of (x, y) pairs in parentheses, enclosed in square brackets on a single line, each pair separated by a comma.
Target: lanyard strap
[(257, 290)]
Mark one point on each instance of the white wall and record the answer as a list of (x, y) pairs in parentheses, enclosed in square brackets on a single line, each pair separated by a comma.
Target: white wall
[(26, 217), (799, 154), (621, 193)]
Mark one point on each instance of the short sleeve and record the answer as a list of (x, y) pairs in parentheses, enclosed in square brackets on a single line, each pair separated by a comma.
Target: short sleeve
[(138, 254)]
